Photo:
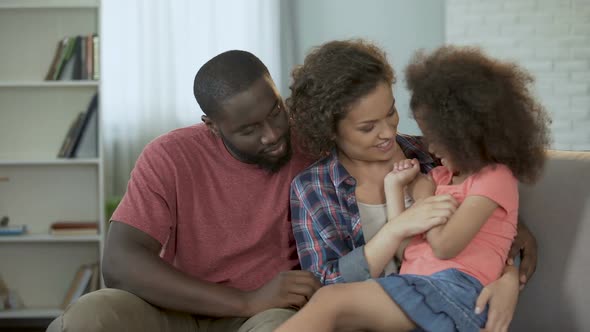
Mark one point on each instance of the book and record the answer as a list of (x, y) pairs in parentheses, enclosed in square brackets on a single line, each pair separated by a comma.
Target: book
[(88, 144), (96, 52), (89, 57), (78, 285), (13, 230), (67, 66), (83, 126), (94, 283), (55, 62), (74, 232), (68, 141), (60, 62), (77, 59), (74, 225)]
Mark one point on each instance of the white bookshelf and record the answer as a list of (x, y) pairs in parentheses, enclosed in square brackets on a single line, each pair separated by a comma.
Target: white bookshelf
[(37, 188), (47, 162), (48, 84), (30, 313), (48, 238)]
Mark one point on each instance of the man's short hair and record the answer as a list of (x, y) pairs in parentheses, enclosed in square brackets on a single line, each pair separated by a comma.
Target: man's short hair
[(224, 76)]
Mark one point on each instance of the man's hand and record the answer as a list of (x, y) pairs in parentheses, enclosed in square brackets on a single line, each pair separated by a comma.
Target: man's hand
[(288, 289), (403, 172), (524, 245), (502, 296)]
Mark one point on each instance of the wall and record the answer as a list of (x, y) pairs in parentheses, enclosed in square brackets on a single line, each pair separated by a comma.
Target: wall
[(551, 38), (400, 27)]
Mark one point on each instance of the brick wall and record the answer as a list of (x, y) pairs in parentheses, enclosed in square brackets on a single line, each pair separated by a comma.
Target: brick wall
[(551, 38)]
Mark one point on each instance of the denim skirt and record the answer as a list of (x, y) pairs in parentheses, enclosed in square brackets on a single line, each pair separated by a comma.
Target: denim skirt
[(444, 301)]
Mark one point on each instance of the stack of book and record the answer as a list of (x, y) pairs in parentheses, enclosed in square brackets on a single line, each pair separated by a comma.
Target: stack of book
[(76, 58), (87, 279), (81, 140), (6, 229), (74, 228)]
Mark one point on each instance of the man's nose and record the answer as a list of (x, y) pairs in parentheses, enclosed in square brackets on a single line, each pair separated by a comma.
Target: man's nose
[(270, 134)]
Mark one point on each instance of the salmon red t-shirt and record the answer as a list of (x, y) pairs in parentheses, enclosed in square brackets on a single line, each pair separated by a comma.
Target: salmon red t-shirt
[(485, 256), (218, 219)]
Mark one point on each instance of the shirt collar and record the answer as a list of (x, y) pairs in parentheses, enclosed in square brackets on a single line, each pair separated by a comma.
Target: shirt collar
[(411, 146)]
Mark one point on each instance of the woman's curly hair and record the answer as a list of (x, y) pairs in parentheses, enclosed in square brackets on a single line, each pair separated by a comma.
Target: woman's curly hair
[(480, 110), (333, 77)]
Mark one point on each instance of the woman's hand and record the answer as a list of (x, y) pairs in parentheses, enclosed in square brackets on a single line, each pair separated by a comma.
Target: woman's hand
[(501, 296), (424, 215)]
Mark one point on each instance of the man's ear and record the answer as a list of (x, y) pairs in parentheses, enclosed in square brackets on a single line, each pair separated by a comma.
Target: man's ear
[(210, 124)]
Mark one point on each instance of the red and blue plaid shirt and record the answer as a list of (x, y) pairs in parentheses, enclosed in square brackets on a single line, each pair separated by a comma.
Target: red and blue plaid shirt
[(325, 216)]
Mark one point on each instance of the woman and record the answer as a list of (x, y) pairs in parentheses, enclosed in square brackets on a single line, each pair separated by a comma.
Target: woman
[(343, 110)]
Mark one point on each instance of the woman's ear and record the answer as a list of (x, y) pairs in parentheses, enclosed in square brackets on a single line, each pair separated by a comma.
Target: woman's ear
[(210, 124)]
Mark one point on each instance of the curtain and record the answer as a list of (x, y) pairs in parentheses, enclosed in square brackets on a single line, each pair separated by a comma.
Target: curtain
[(150, 53)]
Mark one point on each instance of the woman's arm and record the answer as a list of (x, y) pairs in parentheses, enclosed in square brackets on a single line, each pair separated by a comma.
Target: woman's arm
[(322, 247)]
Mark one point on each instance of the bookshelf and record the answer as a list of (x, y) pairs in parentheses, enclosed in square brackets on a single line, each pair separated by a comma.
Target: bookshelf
[(37, 187)]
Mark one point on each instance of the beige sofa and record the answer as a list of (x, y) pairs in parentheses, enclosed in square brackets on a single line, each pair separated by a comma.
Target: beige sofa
[(557, 210)]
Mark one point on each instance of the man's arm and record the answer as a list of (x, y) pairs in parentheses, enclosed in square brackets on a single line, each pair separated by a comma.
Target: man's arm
[(524, 246), (132, 263)]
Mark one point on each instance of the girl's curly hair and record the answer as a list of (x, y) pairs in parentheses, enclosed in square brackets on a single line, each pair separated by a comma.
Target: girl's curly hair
[(333, 77), (480, 110)]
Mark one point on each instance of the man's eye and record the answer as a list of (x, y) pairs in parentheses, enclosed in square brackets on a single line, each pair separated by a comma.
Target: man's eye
[(276, 111), (248, 131)]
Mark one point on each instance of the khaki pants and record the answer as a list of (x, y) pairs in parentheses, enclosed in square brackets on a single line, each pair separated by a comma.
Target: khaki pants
[(117, 310)]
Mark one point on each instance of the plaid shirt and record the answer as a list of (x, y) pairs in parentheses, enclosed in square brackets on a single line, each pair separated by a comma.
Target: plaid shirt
[(325, 216)]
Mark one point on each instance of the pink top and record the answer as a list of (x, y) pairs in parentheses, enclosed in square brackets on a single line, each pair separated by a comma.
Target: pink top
[(218, 219), (485, 256)]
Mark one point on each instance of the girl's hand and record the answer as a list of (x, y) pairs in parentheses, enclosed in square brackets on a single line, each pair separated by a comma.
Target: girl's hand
[(403, 172), (424, 215), (502, 296)]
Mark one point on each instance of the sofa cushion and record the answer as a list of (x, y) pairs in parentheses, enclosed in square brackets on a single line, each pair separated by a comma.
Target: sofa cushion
[(557, 210)]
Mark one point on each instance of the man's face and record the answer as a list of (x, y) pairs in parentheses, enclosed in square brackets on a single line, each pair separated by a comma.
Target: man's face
[(254, 126)]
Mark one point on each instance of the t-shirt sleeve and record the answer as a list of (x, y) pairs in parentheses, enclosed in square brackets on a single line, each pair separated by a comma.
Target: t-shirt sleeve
[(440, 175), (498, 184), (150, 200)]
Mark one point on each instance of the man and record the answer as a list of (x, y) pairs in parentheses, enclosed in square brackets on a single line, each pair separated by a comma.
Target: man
[(202, 240), (204, 226)]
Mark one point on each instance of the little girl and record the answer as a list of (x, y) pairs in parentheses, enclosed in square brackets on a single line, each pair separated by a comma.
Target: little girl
[(480, 119)]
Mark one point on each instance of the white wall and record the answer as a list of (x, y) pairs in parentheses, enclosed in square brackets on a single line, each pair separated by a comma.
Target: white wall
[(551, 38), (400, 27)]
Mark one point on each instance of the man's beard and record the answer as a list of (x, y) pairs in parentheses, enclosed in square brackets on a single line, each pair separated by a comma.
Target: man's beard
[(263, 163)]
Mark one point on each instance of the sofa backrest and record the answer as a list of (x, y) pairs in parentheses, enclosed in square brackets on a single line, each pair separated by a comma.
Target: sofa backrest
[(557, 210)]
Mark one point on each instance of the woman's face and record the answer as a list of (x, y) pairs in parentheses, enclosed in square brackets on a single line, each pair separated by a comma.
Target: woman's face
[(368, 131)]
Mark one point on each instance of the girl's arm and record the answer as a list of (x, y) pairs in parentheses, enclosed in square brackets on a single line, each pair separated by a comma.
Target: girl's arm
[(448, 240), (405, 173)]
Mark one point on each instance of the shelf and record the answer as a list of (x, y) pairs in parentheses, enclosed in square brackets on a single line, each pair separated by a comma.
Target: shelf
[(48, 84), (49, 162), (30, 313), (31, 4), (48, 238)]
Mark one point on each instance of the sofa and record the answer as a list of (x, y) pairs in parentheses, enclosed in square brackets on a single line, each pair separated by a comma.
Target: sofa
[(557, 210)]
